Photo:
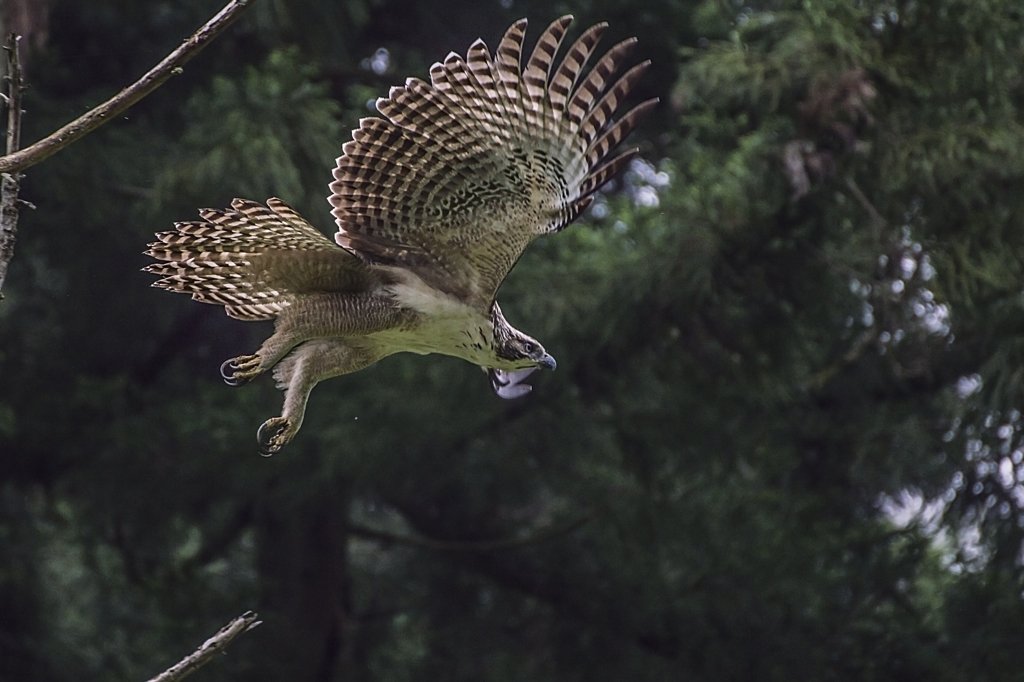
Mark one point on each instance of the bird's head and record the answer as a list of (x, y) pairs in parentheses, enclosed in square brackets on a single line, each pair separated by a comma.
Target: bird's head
[(517, 356), (514, 349)]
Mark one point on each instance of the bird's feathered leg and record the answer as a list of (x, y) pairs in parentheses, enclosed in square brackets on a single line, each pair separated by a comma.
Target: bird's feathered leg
[(309, 364), (318, 316)]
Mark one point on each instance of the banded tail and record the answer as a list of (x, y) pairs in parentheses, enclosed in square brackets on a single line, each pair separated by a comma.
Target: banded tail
[(253, 259)]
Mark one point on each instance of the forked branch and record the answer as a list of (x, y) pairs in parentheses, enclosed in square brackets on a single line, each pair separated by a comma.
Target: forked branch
[(93, 119), (17, 159)]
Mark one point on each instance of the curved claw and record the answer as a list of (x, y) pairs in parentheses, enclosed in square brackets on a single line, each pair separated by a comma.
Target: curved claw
[(240, 370), (227, 372), (271, 434)]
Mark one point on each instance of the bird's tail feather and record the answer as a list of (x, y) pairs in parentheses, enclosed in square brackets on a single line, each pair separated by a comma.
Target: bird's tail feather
[(252, 259)]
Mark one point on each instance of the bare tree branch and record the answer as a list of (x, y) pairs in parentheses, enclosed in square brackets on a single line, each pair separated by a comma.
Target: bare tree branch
[(10, 183), (863, 200), (96, 117), (484, 546), (18, 159), (210, 648)]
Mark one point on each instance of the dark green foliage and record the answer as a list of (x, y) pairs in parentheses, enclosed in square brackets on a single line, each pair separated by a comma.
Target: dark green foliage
[(804, 313)]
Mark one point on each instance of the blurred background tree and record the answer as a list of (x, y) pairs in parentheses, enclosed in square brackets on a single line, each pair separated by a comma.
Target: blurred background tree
[(783, 442)]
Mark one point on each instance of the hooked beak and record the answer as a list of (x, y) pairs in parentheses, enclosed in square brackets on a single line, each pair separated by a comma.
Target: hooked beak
[(547, 362)]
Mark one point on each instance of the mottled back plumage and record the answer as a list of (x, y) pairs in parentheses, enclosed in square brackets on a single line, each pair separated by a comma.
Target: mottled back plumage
[(434, 205)]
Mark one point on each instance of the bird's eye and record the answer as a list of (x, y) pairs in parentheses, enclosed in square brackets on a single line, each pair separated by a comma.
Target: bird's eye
[(529, 347)]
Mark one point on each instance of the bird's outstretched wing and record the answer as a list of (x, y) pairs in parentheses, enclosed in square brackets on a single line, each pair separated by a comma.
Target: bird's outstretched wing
[(471, 167)]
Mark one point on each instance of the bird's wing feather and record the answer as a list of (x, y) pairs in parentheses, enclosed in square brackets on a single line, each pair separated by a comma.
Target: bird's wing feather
[(470, 168), (253, 259)]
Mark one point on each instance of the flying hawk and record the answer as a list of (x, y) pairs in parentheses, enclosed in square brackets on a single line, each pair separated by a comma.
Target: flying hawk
[(434, 204)]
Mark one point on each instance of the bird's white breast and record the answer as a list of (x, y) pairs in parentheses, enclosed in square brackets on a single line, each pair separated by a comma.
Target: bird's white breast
[(445, 324)]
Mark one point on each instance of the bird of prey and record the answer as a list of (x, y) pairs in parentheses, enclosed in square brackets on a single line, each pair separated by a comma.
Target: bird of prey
[(434, 205)]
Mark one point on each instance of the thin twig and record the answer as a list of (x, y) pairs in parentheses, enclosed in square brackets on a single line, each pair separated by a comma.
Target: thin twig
[(10, 184), (210, 648), (14, 94), (819, 379), (863, 200), (485, 546), (96, 117)]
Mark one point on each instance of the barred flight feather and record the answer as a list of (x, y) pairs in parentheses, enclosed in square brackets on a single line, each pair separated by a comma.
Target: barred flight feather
[(469, 168), (572, 65)]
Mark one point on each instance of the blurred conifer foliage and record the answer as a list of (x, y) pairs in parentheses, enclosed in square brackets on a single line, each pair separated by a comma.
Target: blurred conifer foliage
[(784, 440)]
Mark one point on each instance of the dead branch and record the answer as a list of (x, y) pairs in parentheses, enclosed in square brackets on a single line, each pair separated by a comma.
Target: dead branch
[(210, 648), (10, 184), (156, 76)]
